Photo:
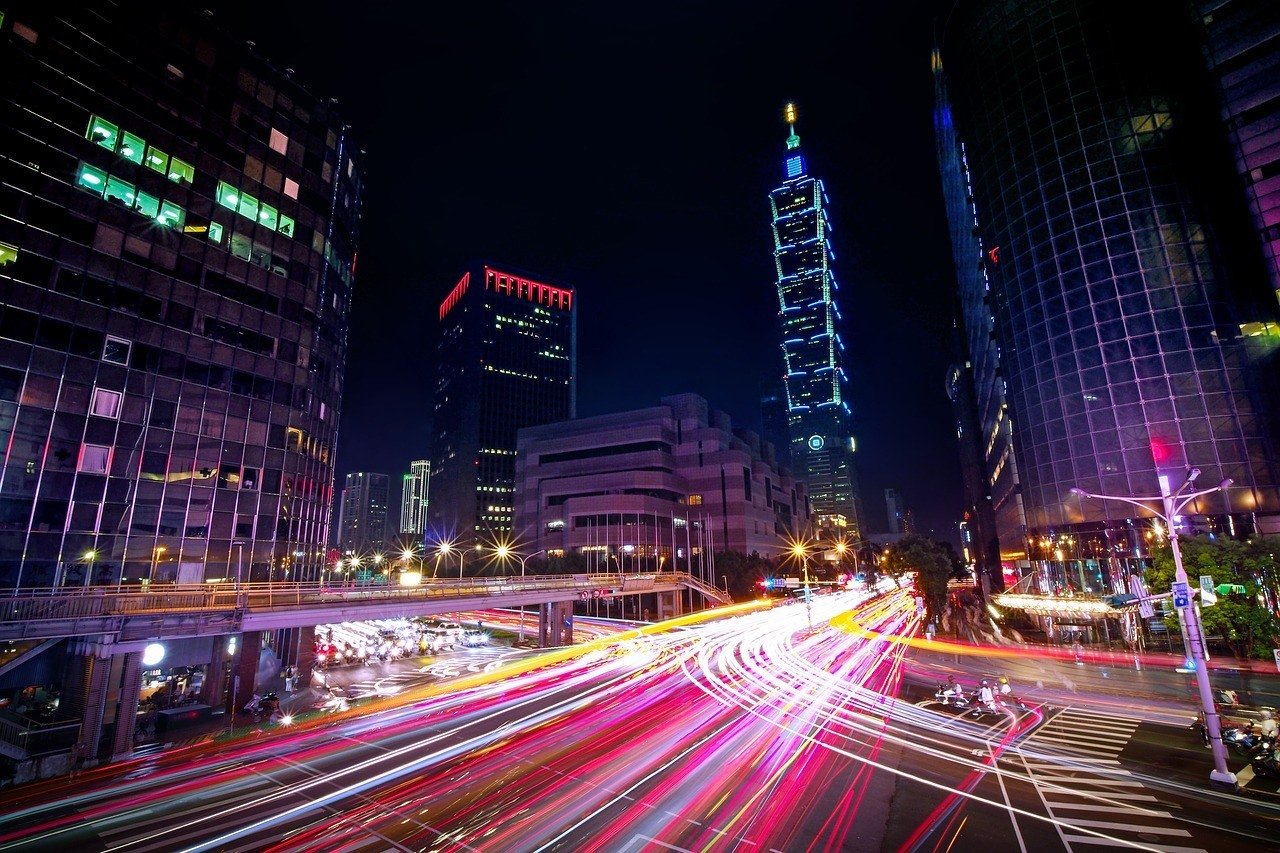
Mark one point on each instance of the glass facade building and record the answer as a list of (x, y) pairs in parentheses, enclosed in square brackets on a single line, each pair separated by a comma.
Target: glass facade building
[(818, 411), (178, 227), (415, 496), (1119, 322), (507, 360), (363, 513)]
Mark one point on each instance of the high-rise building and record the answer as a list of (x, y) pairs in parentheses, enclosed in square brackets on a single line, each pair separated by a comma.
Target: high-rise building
[(818, 411), (1120, 325), (774, 427), (177, 251), (895, 511), (362, 517), (507, 360), (414, 497)]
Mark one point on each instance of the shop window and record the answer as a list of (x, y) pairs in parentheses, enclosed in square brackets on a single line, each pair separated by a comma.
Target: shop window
[(148, 205), (91, 179), (8, 254), (248, 206), (286, 226), (106, 404), (291, 188), (171, 216), (103, 133), (116, 350), (181, 172), (157, 159), (279, 142), (132, 148), (215, 233), (94, 459), (118, 190), (268, 216), (228, 197)]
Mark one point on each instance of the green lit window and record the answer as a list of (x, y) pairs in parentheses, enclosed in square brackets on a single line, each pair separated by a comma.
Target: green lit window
[(91, 179), (268, 216), (248, 206), (131, 147), (8, 254), (228, 196), (102, 132), (157, 160), (215, 233), (118, 190), (286, 226), (180, 172), (148, 205), (171, 215)]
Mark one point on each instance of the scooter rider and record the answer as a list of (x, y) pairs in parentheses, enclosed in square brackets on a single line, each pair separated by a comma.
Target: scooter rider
[(1268, 725), (986, 697)]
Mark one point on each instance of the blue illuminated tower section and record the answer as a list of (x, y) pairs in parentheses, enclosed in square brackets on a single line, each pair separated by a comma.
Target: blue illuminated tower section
[(818, 413)]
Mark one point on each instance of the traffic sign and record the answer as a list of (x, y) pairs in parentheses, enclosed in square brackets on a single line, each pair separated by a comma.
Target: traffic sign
[(1208, 595), (1181, 595)]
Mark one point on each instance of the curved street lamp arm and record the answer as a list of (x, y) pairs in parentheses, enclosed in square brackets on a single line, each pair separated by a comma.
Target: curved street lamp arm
[(1138, 502)]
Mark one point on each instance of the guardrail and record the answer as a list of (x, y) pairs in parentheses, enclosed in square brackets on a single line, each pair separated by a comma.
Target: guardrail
[(20, 740), (94, 605)]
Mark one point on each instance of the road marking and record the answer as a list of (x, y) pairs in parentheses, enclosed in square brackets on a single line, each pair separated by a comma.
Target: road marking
[(1245, 776), (1112, 842), (1103, 824)]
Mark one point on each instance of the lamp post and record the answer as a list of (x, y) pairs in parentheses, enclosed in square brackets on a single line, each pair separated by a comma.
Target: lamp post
[(89, 557), (799, 550), (239, 546), (1173, 503), (504, 553), (155, 564)]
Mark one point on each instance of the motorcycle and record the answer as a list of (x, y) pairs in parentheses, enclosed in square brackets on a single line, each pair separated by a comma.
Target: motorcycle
[(1245, 741), (1265, 764), (952, 696)]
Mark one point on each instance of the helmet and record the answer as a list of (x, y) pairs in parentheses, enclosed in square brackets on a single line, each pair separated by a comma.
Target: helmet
[(1004, 680), (1266, 714), (984, 682)]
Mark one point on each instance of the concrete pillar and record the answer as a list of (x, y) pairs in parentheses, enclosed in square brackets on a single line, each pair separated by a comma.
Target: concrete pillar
[(670, 604), (544, 625), (84, 695), (304, 660), (127, 710), (562, 623), (248, 651), (215, 674)]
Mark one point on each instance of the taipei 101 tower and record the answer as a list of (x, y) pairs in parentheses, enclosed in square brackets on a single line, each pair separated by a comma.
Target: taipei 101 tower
[(818, 412)]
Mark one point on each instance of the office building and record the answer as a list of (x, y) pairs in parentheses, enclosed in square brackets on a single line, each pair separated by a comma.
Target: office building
[(895, 511), (413, 497), (775, 429), (362, 516), (816, 386), (662, 487), (507, 360), (1120, 319), (177, 252)]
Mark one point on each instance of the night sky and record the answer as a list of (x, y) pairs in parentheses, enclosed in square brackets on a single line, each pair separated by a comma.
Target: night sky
[(628, 150)]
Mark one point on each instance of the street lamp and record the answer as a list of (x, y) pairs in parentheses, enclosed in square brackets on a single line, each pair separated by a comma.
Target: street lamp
[(239, 546), (799, 551), (155, 564), (504, 553), (89, 557), (1173, 503)]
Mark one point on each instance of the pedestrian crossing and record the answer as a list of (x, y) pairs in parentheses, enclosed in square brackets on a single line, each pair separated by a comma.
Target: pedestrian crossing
[(1073, 762)]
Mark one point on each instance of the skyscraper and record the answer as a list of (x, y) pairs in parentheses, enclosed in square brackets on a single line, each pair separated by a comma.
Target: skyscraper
[(362, 518), (414, 497), (818, 411), (507, 360), (177, 254), (1123, 310)]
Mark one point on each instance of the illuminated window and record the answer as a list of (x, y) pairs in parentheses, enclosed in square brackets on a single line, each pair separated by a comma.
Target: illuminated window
[(89, 178), (286, 226), (695, 500), (157, 159), (102, 132), (8, 253), (132, 148), (279, 142), (227, 195), (118, 190), (171, 215), (148, 205), (180, 172), (248, 206), (215, 233), (795, 165), (94, 459), (268, 216), (106, 404), (291, 188)]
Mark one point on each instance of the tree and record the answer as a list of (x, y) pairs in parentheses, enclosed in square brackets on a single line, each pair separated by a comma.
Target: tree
[(742, 572), (1245, 624), (931, 565)]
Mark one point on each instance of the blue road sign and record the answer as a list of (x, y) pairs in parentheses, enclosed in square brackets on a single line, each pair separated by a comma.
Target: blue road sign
[(1181, 595)]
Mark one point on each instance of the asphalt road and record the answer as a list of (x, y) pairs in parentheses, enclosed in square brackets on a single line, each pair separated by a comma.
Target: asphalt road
[(748, 732)]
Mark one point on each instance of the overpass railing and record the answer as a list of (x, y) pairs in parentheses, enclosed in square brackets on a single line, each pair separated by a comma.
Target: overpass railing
[(78, 604)]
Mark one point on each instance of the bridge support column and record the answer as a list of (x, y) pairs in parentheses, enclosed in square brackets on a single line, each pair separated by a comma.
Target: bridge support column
[(248, 650), (87, 678), (670, 605), (544, 625), (214, 687), (127, 710), (562, 623), (304, 660)]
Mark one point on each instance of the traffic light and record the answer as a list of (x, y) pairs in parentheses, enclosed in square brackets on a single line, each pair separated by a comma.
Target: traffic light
[(1230, 589)]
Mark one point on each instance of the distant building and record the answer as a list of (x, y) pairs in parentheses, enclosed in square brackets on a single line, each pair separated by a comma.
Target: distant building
[(774, 428), (507, 360), (362, 521), (895, 511), (414, 497), (818, 411), (665, 486)]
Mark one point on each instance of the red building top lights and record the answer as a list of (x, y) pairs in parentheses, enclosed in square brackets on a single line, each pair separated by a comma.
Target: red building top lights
[(523, 288), (455, 294)]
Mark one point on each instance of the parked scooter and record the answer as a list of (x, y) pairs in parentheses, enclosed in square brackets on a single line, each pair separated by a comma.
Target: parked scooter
[(1246, 741), (1266, 764)]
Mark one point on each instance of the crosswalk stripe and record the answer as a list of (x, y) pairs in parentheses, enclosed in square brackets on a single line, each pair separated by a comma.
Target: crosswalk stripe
[(1092, 796), (1095, 727), (1115, 842), (1108, 809), (1072, 780), (1128, 827), (1075, 732), (1041, 765), (1088, 741), (1082, 747)]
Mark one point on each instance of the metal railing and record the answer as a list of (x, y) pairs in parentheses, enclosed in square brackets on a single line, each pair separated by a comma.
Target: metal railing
[(24, 739)]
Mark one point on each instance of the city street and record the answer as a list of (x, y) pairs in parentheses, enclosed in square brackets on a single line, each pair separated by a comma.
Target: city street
[(747, 731)]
